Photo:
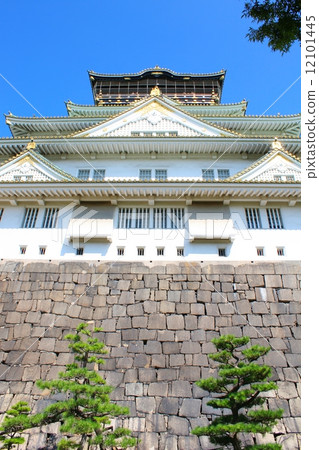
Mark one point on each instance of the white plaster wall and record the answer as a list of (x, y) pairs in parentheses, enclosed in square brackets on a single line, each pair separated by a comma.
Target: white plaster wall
[(243, 247), (182, 168)]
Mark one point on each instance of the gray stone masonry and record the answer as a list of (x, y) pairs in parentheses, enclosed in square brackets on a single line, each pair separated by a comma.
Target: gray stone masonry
[(158, 320)]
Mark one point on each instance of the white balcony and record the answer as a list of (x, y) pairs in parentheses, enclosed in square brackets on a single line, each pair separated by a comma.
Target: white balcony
[(84, 230), (219, 230)]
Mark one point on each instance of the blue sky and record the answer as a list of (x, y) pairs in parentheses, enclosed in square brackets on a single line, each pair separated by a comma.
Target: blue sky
[(47, 48)]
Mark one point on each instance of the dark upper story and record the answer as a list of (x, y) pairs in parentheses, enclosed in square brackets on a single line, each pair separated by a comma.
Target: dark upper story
[(186, 88)]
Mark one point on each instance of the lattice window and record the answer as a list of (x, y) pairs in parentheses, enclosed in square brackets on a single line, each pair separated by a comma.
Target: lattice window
[(160, 218), (84, 174), (177, 216), (160, 251), (50, 217), (134, 218), (223, 174), (98, 174), (79, 251), (207, 174), (161, 174), (145, 174), (42, 250), (120, 251), (253, 218), (140, 251), (274, 218), (180, 251), (221, 252), (280, 251), (23, 249), (30, 217), (260, 251)]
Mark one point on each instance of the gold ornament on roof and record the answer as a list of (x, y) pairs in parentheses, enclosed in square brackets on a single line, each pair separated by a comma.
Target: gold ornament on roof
[(155, 92), (31, 145), (276, 145)]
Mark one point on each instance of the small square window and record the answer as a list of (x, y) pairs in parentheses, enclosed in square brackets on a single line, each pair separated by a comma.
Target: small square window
[(98, 174), (180, 252), (207, 174), (280, 251), (84, 174), (42, 250), (23, 249), (221, 252), (120, 251), (161, 174), (223, 174), (160, 251), (145, 174), (79, 251), (140, 251), (260, 251)]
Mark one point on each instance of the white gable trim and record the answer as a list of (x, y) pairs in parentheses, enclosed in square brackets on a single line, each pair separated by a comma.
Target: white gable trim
[(279, 164), (154, 114)]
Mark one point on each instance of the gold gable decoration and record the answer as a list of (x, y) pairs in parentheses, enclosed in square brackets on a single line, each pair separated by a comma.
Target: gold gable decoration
[(155, 92)]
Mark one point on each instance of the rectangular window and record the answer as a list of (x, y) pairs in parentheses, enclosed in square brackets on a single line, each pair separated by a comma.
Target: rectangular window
[(30, 217), (42, 250), (134, 218), (253, 218), (207, 174), (120, 251), (223, 174), (50, 217), (98, 174), (23, 249), (160, 251), (221, 252), (274, 218), (260, 251), (1, 213), (177, 216), (145, 174), (160, 218), (79, 251), (280, 251), (84, 174), (161, 174), (180, 252), (140, 251)]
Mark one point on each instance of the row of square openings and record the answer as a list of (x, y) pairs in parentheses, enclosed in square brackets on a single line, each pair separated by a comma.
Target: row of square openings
[(160, 251), (148, 174)]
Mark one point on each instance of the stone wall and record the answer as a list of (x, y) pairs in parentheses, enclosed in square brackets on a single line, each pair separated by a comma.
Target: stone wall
[(158, 321)]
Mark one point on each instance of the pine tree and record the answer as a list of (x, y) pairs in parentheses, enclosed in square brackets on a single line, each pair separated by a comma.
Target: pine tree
[(16, 420), (86, 412), (237, 387)]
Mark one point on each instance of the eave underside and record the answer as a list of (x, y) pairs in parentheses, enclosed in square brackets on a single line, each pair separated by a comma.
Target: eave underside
[(119, 191), (142, 147)]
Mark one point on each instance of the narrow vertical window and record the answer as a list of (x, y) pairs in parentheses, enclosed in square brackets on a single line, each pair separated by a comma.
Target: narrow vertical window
[(42, 250), (50, 217), (120, 251), (79, 251), (160, 251), (141, 218), (140, 251), (274, 218), (221, 252), (260, 251), (280, 251), (1, 213), (180, 251), (160, 218), (253, 218), (23, 249), (177, 217), (30, 217)]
